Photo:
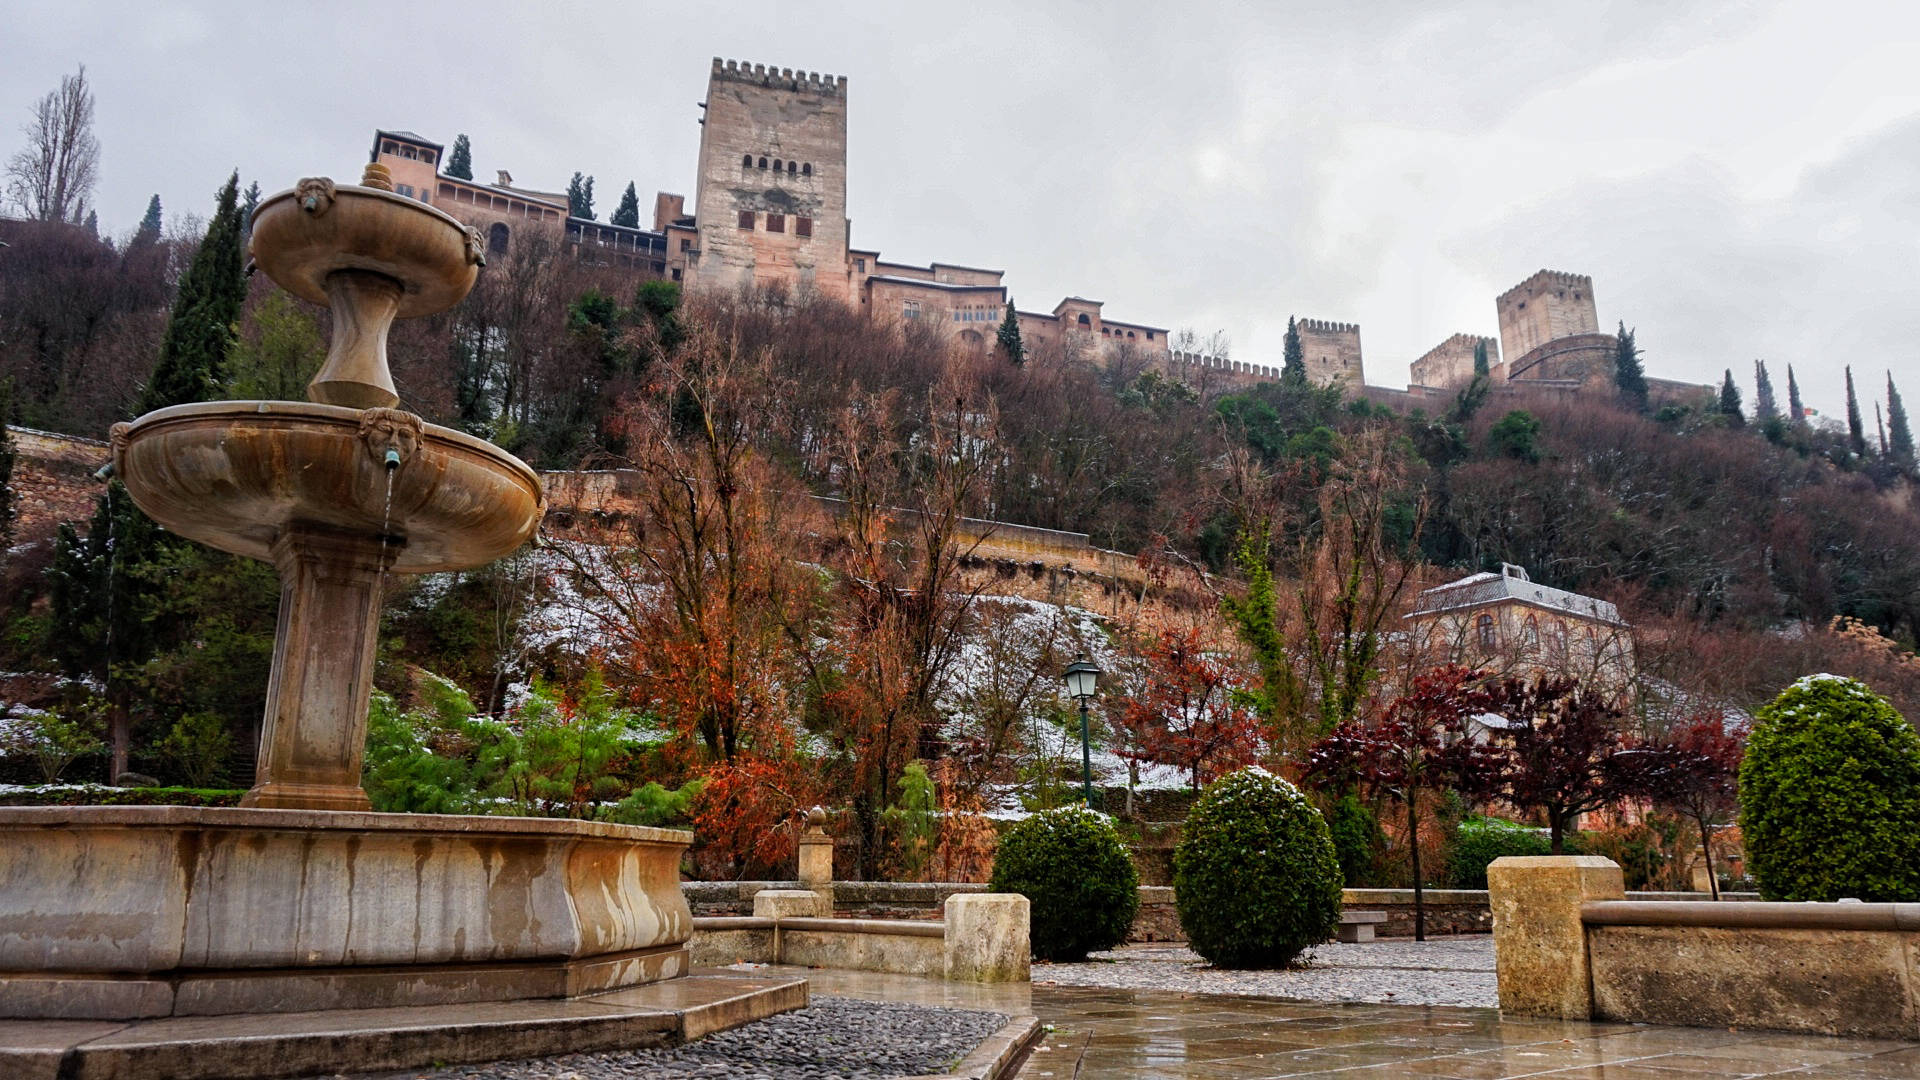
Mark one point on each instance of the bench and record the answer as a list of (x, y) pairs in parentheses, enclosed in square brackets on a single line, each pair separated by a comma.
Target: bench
[(1357, 926)]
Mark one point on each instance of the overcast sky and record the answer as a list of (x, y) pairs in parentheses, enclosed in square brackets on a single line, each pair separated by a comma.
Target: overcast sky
[(1741, 179)]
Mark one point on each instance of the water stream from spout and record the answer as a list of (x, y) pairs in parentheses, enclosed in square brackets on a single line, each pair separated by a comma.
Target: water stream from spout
[(386, 518)]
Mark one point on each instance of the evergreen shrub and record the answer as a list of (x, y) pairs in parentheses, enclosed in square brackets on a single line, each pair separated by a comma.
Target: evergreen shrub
[(1073, 870), (1357, 840), (1830, 795), (1479, 841), (1256, 878)]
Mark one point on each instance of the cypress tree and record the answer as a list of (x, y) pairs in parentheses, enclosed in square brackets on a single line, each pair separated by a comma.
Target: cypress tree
[(1796, 412), (1008, 339), (1293, 366), (200, 332), (149, 230), (249, 203), (1481, 366), (460, 162), (580, 196), (1730, 402), (1899, 435), (1628, 375), (628, 212), (1880, 424), (92, 224), (1764, 408), (1856, 431)]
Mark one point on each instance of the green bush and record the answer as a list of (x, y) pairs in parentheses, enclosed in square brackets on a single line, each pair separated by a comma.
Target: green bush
[(198, 745), (1357, 840), (1479, 841), (1070, 865), (1830, 795), (99, 795), (1256, 878)]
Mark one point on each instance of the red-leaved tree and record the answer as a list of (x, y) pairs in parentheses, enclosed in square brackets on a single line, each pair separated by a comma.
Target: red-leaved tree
[(1695, 771), (1560, 751), (1187, 714), (1420, 743)]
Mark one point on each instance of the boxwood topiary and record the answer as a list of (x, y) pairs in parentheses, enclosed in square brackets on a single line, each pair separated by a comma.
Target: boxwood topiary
[(1830, 795), (1255, 877), (1479, 841), (1070, 865)]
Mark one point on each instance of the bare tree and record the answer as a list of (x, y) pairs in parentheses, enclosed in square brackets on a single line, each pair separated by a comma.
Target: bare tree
[(52, 178)]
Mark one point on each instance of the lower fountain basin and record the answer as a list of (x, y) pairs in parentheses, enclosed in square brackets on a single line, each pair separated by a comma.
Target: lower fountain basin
[(119, 912), (236, 475)]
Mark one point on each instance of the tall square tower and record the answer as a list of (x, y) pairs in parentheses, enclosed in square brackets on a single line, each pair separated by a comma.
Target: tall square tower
[(1548, 306), (771, 199)]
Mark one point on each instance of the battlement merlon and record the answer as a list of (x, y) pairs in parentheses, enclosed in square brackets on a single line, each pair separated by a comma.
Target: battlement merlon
[(1542, 278), (1320, 326), (781, 78)]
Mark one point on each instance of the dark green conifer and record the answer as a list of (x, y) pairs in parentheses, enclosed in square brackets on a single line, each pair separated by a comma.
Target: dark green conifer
[(200, 332), (628, 212), (1856, 431), (149, 230), (1628, 374), (1481, 365), (1008, 339), (249, 203), (1796, 412), (580, 196), (1764, 408), (460, 161), (1899, 435), (1730, 402), (1293, 364)]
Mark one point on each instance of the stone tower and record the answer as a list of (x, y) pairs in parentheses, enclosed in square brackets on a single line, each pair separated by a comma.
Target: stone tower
[(1332, 351), (1548, 306), (771, 203)]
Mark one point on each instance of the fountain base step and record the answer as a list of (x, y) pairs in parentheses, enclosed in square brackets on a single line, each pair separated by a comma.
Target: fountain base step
[(88, 996), (364, 1040)]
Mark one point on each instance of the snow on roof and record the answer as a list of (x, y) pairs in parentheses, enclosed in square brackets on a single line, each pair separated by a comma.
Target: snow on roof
[(1511, 583)]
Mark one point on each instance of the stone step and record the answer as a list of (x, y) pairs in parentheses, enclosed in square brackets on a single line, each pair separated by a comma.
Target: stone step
[(363, 1040)]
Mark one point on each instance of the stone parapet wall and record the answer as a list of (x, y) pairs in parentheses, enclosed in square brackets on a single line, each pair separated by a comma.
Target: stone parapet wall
[(53, 481)]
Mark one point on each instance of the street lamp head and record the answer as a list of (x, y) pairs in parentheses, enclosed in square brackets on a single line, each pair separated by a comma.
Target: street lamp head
[(1082, 676)]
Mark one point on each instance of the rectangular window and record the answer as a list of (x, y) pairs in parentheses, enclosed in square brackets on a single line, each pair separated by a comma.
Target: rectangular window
[(676, 273), (777, 223), (686, 244), (746, 219), (404, 190), (803, 226), (860, 265)]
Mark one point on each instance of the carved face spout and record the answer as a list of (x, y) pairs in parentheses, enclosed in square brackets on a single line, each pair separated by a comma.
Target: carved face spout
[(391, 436)]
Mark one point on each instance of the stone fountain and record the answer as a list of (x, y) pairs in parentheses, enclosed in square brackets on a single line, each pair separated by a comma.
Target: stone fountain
[(302, 898)]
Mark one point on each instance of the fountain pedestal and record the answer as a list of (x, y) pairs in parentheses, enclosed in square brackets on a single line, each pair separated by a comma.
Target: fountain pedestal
[(314, 737)]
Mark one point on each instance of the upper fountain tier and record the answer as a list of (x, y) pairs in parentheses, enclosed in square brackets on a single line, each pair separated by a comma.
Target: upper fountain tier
[(372, 256)]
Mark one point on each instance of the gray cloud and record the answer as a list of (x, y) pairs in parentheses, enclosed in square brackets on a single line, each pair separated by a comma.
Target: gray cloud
[(1739, 177)]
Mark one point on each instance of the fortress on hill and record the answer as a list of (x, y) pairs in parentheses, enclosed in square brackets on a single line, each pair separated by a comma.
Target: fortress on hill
[(770, 211)]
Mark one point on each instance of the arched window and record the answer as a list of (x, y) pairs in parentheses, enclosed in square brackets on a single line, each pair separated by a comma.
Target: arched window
[(746, 162), (776, 164), (1531, 640), (807, 169), (497, 238), (1130, 335), (1484, 627), (763, 163), (1084, 321), (792, 168)]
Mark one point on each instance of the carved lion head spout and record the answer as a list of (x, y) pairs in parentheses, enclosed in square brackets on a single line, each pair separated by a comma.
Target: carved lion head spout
[(314, 194), (391, 436)]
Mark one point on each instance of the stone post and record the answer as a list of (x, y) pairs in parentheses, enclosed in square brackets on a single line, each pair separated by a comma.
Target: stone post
[(987, 937), (816, 860), (1539, 942)]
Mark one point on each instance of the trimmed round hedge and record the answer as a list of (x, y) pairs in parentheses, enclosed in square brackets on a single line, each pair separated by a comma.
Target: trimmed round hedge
[(1255, 877), (1075, 873), (1830, 795)]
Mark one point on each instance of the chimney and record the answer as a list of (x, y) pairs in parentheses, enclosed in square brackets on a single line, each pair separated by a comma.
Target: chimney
[(503, 178)]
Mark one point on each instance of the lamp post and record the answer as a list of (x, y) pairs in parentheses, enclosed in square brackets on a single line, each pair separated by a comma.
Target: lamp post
[(1082, 676)]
